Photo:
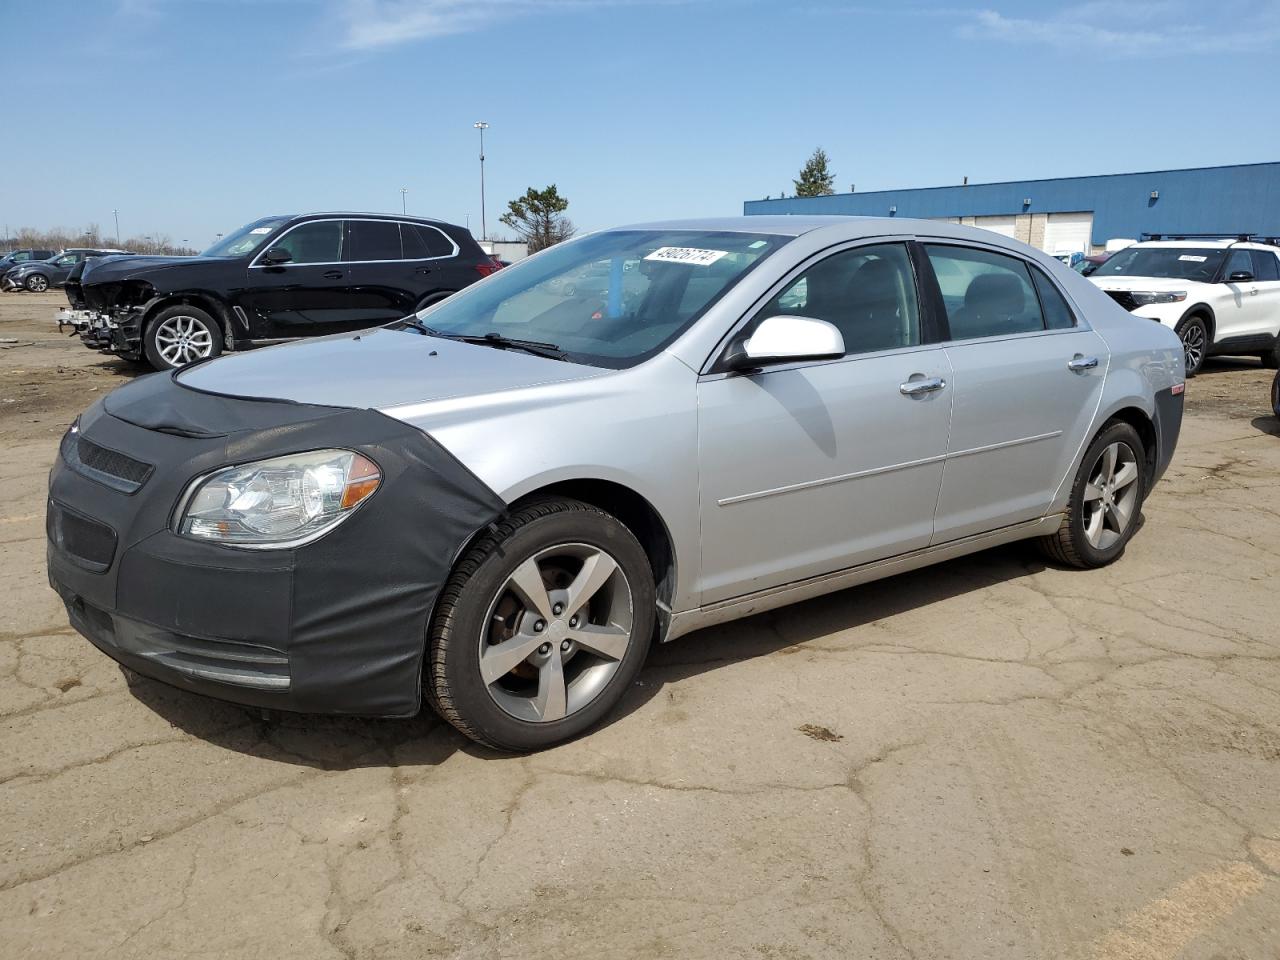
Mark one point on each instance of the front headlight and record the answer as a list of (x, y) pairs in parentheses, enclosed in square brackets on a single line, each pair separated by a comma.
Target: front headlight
[(278, 503), (1145, 298)]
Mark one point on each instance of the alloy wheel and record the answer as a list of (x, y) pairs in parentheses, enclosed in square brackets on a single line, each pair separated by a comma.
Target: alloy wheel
[(1193, 345), (1111, 495), (556, 632), (181, 340), (38, 283)]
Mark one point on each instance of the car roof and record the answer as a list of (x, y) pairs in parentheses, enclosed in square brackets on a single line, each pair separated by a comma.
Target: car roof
[(359, 215), (838, 227), (1207, 244)]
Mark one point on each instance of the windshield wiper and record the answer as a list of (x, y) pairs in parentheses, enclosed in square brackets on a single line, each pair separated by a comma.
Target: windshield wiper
[(416, 324), (539, 348)]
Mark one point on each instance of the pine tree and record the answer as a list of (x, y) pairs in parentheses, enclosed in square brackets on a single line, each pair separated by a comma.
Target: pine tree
[(816, 178)]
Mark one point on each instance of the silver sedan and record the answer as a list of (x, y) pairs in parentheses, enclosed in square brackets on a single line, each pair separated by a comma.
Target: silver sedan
[(503, 500)]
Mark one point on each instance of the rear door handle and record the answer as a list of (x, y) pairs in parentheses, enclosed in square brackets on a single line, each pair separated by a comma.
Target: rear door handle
[(1078, 363), (914, 388), (333, 274)]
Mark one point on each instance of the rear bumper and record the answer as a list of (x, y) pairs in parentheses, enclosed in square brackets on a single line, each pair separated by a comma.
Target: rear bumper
[(1168, 423)]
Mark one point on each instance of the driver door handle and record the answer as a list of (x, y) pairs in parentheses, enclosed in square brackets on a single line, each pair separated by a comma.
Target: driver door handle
[(913, 388), (1078, 363), (333, 274)]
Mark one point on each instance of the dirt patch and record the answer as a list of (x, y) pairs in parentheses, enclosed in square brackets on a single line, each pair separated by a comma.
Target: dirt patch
[(815, 732), (47, 377)]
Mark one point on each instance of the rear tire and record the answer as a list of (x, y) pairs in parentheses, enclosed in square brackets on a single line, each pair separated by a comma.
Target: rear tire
[(1194, 333), (1271, 359), (1275, 396), (179, 335), (1106, 501), (567, 590)]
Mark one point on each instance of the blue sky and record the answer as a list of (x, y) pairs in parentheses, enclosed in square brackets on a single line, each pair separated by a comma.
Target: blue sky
[(194, 116)]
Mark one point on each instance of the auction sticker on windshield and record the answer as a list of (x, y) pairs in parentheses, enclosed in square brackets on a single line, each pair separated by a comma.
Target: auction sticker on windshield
[(699, 258)]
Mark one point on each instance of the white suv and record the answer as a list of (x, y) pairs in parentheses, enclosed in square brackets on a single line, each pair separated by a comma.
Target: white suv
[(1221, 296)]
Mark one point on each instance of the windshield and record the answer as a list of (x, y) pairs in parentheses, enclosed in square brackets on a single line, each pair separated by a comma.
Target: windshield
[(610, 299), (245, 240), (1175, 263)]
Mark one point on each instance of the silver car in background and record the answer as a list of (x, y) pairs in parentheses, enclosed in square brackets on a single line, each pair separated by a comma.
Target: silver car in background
[(504, 500)]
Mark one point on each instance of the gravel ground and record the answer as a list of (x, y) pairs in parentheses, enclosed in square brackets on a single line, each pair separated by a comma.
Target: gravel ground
[(991, 758)]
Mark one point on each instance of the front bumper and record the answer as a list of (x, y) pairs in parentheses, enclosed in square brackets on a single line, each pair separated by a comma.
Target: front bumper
[(335, 626), (126, 331)]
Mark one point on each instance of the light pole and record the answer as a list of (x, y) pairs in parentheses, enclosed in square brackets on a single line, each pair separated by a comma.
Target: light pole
[(484, 226), (404, 203), (116, 214)]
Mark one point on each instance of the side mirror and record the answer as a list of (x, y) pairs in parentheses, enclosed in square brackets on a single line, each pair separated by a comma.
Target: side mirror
[(276, 256), (1240, 276), (785, 339)]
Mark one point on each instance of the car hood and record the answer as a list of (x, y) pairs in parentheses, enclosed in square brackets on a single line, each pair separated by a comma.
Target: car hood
[(378, 369), (1144, 283), (123, 266)]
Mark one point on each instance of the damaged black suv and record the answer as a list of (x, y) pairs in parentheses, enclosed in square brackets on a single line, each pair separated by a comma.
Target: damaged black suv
[(273, 280)]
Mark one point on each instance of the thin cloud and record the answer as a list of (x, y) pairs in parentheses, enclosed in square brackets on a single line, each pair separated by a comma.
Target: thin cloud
[(1137, 30), (373, 24)]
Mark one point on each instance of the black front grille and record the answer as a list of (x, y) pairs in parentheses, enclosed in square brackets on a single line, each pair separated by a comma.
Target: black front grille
[(86, 541), (1122, 297), (110, 467)]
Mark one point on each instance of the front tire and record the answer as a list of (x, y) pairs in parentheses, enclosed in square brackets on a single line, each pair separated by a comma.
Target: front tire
[(180, 335), (1194, 333), (541, 628), (1275, 396), (37, 283), (1106, 501)]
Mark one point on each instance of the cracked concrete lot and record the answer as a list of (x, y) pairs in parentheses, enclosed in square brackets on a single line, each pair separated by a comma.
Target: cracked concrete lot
[(987, 759)]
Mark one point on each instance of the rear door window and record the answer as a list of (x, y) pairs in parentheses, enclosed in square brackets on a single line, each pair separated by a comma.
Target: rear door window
[(1265, 265), (375, 240), (986, 294)]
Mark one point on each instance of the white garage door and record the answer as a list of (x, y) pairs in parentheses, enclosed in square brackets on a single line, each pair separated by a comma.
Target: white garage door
[(946, 219), (1000, 225), (1068, 232)]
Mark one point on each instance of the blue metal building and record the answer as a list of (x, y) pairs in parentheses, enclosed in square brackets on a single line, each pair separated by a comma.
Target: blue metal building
[(1079, 213)]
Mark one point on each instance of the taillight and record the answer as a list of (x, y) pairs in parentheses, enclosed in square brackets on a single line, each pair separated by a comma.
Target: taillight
[(484, 269)]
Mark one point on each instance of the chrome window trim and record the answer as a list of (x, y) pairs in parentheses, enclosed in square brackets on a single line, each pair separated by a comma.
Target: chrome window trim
[(255, 265)]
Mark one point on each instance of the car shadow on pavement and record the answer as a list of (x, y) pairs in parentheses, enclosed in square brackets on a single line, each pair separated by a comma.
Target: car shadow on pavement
[(1268, 425), (344, 743), (847, 610)]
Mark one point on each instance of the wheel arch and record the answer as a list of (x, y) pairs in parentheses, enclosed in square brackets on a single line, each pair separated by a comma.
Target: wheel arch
[(1137, 418), (1204, 312), (431, 299), (203, 301), (635, 513)]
